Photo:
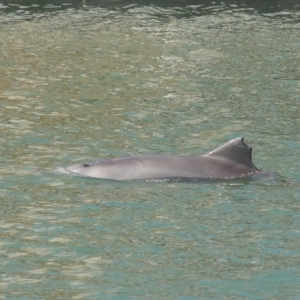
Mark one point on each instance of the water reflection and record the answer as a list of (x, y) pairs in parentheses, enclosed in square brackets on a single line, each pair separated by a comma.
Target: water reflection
[(184, 8), (80, 82)]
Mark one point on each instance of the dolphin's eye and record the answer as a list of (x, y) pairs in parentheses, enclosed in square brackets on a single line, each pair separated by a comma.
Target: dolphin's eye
[(85, 165)]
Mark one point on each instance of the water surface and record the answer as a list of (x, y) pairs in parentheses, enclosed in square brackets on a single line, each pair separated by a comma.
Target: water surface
[(84, 84)]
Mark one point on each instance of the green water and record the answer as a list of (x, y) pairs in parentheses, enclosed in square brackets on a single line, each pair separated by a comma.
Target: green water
[(86, 84)]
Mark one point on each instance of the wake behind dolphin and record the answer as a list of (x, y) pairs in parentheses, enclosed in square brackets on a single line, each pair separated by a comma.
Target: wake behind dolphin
[(231, 160)]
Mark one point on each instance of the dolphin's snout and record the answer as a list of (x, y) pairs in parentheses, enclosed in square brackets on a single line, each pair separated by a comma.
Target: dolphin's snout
[(76, 168)]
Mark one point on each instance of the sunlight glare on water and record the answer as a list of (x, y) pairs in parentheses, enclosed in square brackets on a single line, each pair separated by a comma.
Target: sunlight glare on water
[(84, 84)]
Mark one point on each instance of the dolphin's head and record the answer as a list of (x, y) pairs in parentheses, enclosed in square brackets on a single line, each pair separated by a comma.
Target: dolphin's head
[(78, 168)]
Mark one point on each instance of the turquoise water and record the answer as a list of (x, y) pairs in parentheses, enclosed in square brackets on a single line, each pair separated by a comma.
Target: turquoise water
[(86, 84)]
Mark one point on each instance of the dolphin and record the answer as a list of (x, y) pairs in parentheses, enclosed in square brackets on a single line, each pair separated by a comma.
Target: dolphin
[(231, 160)]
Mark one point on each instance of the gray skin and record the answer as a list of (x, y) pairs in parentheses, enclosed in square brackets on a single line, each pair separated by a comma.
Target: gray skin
[(232, 160)]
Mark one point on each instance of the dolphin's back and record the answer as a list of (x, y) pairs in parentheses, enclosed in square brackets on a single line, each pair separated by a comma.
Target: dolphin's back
[(231, 160)]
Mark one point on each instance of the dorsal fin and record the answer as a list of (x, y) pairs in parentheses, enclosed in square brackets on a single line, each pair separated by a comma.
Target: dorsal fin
[(235, 150)]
